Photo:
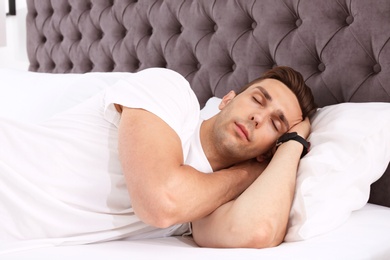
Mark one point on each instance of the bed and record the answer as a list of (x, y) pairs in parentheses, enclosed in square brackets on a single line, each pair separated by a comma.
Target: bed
[(342, 48)]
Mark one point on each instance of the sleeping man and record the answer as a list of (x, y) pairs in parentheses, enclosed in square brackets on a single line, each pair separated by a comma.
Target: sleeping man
[(136, 161)]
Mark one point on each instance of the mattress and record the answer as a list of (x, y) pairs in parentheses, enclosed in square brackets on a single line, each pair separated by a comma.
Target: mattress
[(365, 235)]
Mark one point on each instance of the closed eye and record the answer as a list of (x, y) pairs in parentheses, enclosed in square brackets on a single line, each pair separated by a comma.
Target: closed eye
[(277, 124), (274, 125), (257, 100)]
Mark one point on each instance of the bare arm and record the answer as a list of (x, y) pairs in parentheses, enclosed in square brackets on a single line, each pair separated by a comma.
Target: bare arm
[(163, 190), (258, 217)]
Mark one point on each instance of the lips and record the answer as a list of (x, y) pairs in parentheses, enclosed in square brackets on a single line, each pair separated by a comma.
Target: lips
[(242, 131)]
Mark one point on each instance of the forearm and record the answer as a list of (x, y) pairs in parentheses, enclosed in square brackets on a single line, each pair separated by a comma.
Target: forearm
[(259, 216), (202, 194), (187, 195)]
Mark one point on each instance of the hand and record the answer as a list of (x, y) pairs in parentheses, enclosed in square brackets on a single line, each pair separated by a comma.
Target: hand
[(302, 128)]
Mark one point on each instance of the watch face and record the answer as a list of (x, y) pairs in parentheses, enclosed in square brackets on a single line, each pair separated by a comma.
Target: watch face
[(287, 136), (294, 136)]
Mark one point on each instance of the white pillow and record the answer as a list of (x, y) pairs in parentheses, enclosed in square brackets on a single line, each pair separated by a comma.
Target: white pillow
[(211, 108), (34, 97), (350, 149)]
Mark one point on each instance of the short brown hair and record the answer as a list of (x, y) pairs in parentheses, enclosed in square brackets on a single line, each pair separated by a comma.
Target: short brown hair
[(294, 81)]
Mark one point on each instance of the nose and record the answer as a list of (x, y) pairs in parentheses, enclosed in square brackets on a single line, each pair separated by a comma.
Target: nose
[(258, 119)]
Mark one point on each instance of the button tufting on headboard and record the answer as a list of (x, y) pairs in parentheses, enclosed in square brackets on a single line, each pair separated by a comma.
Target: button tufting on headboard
[(377, 68), (349, 20)]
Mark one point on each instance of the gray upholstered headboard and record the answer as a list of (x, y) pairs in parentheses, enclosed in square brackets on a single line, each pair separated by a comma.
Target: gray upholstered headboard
[(342, 47)]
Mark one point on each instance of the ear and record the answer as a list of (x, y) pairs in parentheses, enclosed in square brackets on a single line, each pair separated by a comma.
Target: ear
[(226, 99)]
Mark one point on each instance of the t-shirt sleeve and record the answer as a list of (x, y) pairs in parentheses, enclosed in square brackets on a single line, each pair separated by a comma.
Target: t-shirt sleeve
[(160, 91)]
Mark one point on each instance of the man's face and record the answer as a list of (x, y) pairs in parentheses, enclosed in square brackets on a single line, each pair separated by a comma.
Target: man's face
[(250, 123)]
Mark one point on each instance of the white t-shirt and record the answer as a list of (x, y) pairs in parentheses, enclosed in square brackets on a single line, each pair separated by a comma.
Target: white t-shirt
[(66, 185)]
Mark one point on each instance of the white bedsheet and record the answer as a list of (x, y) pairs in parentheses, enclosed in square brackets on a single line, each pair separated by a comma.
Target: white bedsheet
[(366, 235)]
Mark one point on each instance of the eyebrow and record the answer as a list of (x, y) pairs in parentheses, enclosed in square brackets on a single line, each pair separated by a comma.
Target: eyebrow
[(280, 113), (265, 93)]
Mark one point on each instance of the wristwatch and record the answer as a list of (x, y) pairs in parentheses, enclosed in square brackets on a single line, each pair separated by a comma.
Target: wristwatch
[(294, 136)]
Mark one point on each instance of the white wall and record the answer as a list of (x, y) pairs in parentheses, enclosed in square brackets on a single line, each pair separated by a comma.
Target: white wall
[(2, 25), (14, 54)]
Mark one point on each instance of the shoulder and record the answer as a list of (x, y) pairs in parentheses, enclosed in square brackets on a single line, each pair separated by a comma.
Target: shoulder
[(165, 80), (161, 91), (153, 82)]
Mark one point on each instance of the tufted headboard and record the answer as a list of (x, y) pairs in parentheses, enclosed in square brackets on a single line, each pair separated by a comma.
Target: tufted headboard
[(341, 47)]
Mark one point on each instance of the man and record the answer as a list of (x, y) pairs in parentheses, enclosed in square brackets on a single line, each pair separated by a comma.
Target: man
[(165, 191), (70, 183)]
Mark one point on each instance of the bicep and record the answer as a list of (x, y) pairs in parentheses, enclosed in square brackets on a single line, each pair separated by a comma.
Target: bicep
[(150, 151)]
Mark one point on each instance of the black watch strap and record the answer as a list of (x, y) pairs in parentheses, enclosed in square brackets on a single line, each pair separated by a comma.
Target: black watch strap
[(294, 136)]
